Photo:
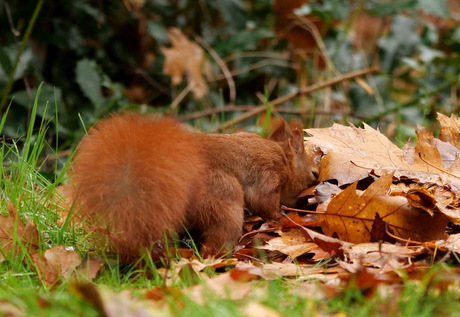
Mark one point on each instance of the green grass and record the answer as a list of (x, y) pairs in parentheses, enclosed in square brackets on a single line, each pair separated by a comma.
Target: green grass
[(22, 292)]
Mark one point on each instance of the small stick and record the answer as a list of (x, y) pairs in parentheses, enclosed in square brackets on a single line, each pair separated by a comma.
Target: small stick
[(307, 90), (290, 110), (223, 67)]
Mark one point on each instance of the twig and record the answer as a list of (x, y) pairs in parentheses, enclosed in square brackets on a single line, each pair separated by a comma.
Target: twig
[(256, 65), (152, 82), (256, 54), (306, 24), (276, 102), (181, 96), (15, 31), (223, 67), (288, 110)]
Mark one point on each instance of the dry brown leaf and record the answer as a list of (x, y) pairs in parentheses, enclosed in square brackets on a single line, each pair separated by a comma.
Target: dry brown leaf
[(292, 243), (12, 226), (200, 265), (56, 263), (273, 271), (452, 243), (194, 267), (450, 129), (112, 304), (325, 191), (430, 197), (351, 153), (89, 268), (185, 57), (384, 256), (299, 30), (254, 309), (351, 215), (366, 29), (10, 309), (222, 285)]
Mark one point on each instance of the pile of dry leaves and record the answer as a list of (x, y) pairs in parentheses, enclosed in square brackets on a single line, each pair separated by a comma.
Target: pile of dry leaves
[(377, 208)]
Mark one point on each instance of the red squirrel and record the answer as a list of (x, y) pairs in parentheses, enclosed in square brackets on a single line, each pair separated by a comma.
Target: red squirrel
[(143, 179)]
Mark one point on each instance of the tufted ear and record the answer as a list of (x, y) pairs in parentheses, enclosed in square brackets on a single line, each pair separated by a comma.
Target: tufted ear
[(296, 139), (279, 132)]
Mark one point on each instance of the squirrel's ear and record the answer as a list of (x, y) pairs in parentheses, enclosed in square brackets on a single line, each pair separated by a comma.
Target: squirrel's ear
[(279, 132), (296, 138)]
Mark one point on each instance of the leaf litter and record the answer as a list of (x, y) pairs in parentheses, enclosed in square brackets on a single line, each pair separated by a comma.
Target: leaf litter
[(378, 213)]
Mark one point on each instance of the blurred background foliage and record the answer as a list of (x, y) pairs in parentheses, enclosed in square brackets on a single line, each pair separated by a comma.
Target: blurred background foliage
[(183, 57)]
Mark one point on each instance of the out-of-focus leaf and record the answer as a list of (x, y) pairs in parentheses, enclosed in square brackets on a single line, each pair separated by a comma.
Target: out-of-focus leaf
[(428, 54), (436, 8), (48, 96), (403, 29), (90, 81), (56, 263), (9, 54), (456, 35), (232, 11), (246, 40), (185, 57), (340, 9), (5, 62), (383, 8), (401, 42), (158, 32)]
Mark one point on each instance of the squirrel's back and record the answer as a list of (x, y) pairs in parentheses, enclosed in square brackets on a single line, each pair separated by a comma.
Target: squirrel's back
[(135, 175)]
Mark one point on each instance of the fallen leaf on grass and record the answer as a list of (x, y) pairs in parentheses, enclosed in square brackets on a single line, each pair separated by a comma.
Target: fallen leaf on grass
[(222, 285), (273, 271), (291, 243), (383, 256), (351, 215), (111, 304), (254, 309), (13, 229), (193, 268), (89, 268), (56, 263), (209, 262), (10, 309)]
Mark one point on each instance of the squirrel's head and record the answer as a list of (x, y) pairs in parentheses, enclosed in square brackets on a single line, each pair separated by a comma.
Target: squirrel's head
[(302, 170)]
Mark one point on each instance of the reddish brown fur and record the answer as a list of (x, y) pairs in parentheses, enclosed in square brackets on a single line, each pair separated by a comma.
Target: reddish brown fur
[(144, 177)]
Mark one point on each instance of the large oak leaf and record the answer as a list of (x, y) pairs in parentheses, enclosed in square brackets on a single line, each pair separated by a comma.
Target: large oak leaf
[(351, 215), (351, 153)]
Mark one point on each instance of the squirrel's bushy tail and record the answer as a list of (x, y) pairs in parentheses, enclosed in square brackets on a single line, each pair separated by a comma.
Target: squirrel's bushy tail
[(133, 176)]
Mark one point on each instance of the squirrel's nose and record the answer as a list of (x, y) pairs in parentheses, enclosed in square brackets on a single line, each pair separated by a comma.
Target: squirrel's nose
[(314, 172)]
